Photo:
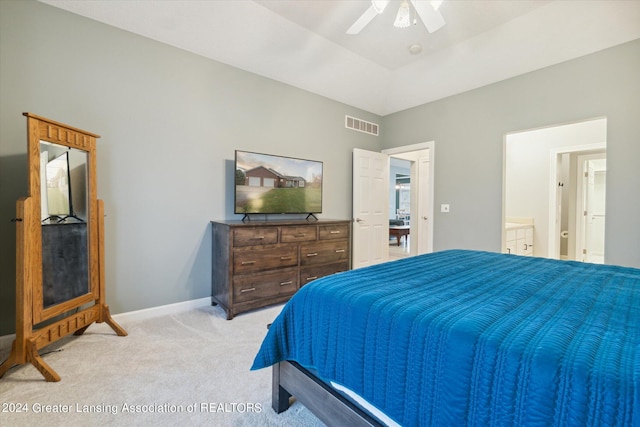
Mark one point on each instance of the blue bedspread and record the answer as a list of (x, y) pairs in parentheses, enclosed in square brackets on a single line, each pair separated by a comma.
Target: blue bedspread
[(460, 337)]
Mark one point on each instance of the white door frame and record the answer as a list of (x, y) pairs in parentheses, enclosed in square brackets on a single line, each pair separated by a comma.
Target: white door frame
[(554, 224), (416, 211)]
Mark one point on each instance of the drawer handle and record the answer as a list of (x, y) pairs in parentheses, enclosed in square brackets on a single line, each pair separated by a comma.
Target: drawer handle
[(257, 238), (247, 262), (248, 290), (334, 232), (286, 283), (300, 234), (339, 251), (313, 254), (285, 257), (312, 278)]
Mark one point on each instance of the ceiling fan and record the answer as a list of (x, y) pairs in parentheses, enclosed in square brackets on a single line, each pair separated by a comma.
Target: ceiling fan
[(426, 10)]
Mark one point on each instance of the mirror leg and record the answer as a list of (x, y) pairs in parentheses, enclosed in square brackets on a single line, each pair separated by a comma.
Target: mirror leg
[(106, 316), (34, 357)]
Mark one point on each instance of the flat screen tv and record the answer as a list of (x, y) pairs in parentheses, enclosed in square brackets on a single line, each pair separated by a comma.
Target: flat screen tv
[(270, 184)]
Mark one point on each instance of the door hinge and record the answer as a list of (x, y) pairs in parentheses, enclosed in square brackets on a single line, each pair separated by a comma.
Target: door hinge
[(584, 252)]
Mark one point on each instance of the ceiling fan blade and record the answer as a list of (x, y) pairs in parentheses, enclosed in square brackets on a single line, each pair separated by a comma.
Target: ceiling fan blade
[(432, 19), (364, 19)]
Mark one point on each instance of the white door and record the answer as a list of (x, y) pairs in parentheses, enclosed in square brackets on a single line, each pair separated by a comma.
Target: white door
[(370, 243), (593, 208)]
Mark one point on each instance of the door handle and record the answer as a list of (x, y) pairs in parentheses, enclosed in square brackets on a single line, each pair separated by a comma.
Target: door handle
[(358, 220)]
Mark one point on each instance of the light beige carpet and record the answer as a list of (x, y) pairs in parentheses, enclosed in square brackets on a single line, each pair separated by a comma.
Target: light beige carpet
[(190, 369)]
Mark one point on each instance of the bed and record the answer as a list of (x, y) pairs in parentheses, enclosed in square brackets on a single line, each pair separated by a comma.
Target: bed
[(462, 338)]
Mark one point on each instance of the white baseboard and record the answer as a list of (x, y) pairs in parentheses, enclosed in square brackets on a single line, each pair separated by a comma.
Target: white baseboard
[(147, 313)]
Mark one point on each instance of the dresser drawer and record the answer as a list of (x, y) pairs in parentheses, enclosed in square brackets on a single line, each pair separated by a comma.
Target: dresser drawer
[(255, 236), (324, 253), (304, 233), (337, 231), (261, 259), (309, 274), (266, 285)]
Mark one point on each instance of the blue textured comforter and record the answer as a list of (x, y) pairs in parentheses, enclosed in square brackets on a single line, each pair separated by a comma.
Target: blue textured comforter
[(473, 338)]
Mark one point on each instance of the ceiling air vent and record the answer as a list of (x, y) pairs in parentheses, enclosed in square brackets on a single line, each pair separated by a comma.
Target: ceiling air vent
[(361, 125)]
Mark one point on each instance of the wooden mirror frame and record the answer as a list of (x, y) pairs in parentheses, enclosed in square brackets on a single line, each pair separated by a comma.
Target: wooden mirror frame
[(30, 310)]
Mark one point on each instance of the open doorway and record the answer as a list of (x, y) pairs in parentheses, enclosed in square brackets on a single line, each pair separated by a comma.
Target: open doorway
[(370, 199), (399, 207), (543, 187), (576, 203), (410, 200)]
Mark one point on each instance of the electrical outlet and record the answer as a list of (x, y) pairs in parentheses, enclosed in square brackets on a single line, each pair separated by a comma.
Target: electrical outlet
[(444, 208)]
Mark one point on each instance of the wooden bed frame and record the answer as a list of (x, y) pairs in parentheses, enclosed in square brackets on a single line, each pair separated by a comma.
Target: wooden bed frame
[(330, 406)]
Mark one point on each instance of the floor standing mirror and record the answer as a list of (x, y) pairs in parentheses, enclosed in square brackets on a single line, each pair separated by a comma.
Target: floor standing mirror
[(60, 276)]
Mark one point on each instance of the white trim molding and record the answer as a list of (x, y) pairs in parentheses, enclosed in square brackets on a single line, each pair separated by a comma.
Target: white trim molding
[(162, 310)]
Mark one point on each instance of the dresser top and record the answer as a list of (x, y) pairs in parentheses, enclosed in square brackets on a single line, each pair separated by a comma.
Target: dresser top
[(239, 223)]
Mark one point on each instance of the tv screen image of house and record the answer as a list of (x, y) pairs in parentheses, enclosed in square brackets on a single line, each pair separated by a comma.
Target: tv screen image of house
[(271, 184)]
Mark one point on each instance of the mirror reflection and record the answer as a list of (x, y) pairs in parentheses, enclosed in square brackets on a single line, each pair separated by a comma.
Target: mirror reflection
[(64, 214)]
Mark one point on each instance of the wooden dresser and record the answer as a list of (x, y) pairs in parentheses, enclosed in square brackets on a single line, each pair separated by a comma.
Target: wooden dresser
[(261, 263)]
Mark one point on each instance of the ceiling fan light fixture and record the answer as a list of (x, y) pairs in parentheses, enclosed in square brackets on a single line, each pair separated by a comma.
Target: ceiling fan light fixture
[(379, 5), (403, 18), (435, 4)]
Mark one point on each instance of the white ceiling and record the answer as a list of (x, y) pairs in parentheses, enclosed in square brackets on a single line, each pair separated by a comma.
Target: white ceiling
[(303, 42)]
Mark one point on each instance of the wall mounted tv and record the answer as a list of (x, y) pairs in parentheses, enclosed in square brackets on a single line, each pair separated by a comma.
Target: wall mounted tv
[(270, 184)]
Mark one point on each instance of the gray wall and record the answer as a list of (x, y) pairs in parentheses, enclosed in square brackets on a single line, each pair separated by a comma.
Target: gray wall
[(170, 122), (469, 129)]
